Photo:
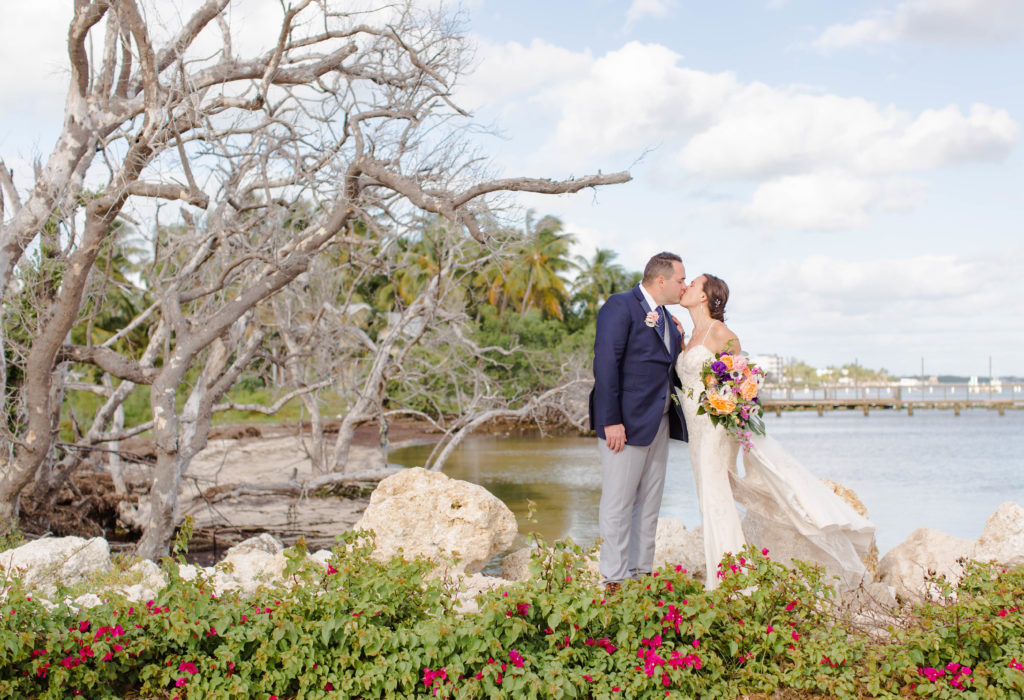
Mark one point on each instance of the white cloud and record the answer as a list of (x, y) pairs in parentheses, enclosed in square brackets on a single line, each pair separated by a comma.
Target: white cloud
[(506, 71), (762, 131), (931, 21), (830, 200), (642, 9), (886, 311), (819, 161), (634, 97)]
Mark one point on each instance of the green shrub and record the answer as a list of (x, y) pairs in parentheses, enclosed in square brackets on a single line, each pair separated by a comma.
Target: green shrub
[(366, 629)]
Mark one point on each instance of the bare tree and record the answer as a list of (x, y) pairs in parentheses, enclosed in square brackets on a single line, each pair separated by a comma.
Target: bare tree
[(349, 113)]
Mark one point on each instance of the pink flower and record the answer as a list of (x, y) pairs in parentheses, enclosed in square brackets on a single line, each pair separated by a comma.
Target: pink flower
[(188, 667), (651, 320), (591, 680), (515, 658), (795, 636), (790, 607), (181, 681), (770, 628), (764, 551)]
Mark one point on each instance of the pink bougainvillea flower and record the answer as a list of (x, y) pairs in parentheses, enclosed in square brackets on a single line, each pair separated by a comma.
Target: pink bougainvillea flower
[(181, 681)]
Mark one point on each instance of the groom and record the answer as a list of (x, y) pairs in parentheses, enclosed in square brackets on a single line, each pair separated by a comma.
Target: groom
[(631, 409)]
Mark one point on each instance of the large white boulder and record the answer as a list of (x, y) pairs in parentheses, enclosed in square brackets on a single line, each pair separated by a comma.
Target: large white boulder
[(1002, 540), (53, 560), (906, 565), (429, 514), (674, 545)]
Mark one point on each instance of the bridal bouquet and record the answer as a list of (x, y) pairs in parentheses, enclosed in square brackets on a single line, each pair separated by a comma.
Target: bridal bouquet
[(731, 384)]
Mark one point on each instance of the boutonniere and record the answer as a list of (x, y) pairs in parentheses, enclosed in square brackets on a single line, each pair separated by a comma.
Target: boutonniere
[(652, 319)]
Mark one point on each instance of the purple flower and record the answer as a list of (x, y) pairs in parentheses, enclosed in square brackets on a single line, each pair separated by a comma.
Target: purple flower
[(718, 367)]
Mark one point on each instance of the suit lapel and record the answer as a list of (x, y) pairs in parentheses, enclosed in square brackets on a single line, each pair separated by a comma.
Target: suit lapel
[(647, 309)]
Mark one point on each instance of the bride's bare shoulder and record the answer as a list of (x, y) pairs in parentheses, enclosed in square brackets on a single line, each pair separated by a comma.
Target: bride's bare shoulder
[(722, 338)]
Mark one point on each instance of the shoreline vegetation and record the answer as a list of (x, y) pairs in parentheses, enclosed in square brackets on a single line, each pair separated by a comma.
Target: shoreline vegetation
[(345, 624)]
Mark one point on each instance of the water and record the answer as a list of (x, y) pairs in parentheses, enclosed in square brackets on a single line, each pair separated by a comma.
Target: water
[(932, 469)]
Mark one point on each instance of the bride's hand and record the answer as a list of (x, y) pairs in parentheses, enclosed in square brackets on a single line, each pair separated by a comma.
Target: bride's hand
[(679, 326)]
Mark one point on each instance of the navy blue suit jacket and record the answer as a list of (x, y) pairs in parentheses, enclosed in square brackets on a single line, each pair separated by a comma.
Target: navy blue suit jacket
[(632, 371)]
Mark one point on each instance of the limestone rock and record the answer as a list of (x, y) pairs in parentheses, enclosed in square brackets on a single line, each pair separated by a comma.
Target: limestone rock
[(150, 575), (516, 566), (137, 593), (1002, 540), (906, 565), (264, 542), (429, 514), (870, 559), (674, 545), (189, 572), (88, 600), (472, 585), (50, 560), (322, 557), (248, 570)]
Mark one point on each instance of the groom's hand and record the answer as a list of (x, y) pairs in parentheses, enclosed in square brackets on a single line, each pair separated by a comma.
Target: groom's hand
[(615, 437)]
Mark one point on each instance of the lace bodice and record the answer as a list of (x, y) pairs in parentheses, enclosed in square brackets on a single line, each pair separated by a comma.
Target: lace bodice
[(688, 368)]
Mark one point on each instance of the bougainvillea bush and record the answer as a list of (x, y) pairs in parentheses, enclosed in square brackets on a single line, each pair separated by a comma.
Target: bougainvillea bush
[(366, 629)]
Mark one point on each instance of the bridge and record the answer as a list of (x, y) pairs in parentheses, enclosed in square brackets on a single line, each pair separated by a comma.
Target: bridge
[(865, 397)]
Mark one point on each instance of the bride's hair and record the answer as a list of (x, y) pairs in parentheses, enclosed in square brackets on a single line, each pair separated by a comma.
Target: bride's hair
[(717, 292)]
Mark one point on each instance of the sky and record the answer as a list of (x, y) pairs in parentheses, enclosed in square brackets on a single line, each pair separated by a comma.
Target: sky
[(852, 170)]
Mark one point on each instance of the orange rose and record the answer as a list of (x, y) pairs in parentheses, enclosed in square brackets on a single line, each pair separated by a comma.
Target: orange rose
[(727, 359), (721, 405), (748, 389)]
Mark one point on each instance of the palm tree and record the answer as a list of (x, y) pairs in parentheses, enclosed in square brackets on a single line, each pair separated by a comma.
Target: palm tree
[(599, 278), (534, 277)]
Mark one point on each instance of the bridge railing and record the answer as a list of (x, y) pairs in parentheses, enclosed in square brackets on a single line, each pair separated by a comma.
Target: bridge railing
[(897, 393)]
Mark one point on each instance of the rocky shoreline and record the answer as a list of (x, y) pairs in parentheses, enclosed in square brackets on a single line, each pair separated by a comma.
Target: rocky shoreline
[(461, 526)]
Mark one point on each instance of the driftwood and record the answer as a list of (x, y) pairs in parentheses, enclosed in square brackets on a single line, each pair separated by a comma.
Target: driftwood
[(366, 479)]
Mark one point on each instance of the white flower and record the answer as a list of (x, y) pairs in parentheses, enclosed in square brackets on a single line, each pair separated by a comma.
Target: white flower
[(652, 319)]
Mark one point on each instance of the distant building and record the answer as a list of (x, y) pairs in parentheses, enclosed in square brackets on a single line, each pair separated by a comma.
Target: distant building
[(772, 366)]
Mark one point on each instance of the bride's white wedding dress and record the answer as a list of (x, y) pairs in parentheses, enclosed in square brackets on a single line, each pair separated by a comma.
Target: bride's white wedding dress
[(787, 510)]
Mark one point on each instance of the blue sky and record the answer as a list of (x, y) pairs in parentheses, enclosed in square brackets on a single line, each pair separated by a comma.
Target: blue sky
[(853, 170)]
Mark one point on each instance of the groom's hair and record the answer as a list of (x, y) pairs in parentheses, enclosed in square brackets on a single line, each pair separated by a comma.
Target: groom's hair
[(661, 264)]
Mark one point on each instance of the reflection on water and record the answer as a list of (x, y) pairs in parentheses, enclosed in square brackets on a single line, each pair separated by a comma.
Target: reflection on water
[(933, 469)]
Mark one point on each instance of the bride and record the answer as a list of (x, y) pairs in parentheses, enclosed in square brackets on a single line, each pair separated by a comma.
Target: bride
[(787, 510)]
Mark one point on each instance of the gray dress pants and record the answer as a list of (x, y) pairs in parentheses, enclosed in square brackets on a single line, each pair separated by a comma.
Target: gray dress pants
[(631, 487)]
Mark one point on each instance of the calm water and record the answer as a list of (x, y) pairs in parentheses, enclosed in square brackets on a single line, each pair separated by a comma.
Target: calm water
[(932, 469)]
